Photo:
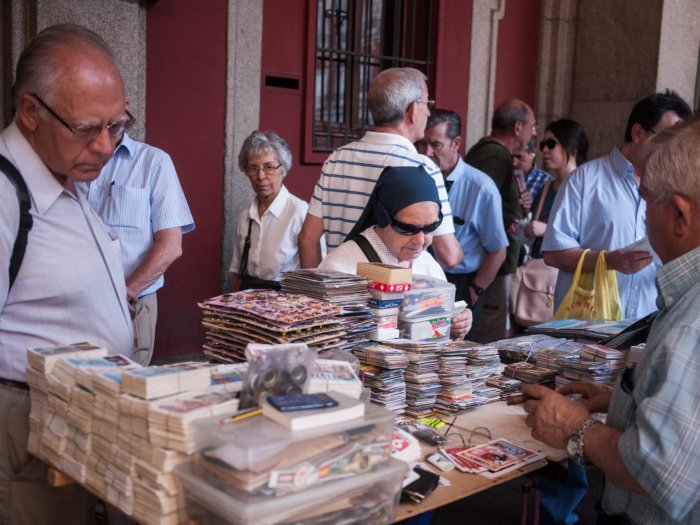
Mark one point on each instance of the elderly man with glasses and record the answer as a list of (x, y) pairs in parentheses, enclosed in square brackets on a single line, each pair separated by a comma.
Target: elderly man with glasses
[(399, 104), (649, 445), (70, 113)]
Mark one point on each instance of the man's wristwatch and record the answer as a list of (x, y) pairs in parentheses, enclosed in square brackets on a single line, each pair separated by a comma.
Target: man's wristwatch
[(478, 290), (574, 446)]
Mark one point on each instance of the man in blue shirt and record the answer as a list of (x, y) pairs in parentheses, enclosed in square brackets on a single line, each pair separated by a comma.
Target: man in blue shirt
[(476, 205), (649, 447), (600, 208), (140, 200)]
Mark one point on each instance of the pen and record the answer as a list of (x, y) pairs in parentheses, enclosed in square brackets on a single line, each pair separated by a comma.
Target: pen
[(249, 413)]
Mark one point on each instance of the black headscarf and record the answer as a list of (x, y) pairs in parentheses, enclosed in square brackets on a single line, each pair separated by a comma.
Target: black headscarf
[(396, 189)]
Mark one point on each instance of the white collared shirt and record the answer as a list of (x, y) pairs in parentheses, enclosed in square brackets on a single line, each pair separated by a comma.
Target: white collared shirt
[(273, 237), (70, 287)]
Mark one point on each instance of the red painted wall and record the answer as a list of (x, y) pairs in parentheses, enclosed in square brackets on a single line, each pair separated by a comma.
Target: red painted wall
[(451, 88), (518, 41), (186, 74), (284, 45)]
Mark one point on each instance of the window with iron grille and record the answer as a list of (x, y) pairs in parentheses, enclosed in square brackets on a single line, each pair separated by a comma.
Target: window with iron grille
[(355, 40)]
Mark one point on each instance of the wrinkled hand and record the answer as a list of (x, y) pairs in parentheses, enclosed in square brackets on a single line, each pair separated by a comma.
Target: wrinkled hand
[(461, 324), (552, 417), (535, 228), (525, 201), (596, 398), (627, 262)]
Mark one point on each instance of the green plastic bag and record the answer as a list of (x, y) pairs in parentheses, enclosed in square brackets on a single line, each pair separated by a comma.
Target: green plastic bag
[(592, 295)]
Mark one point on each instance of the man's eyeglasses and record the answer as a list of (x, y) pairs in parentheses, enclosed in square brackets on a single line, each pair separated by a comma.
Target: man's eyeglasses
[(88, 132), (267, 169), (550, 144), (429, 103)]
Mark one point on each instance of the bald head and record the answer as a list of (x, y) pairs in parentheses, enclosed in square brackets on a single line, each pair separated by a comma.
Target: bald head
[(62, 52)]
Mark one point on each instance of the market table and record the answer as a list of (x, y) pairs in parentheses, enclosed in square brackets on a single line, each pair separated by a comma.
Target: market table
[(501, 420)]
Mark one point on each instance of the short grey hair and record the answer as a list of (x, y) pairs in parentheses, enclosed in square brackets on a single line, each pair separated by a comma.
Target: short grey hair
[(263, 142), (38, 69), (673, 164), (391, 92)]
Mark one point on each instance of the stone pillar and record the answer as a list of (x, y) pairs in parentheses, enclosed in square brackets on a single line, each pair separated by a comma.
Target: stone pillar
[(245, 21)]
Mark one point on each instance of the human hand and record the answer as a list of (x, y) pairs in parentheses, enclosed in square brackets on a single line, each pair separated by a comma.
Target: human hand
[(627, 262), (552, 417), (535, 228), (461, 324), (596, 398)]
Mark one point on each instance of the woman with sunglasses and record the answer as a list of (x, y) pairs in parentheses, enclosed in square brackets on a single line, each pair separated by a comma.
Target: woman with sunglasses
[(396, 228), (564, 148)]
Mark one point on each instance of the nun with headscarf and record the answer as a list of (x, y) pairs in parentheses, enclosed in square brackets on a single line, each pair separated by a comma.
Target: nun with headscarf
[(396, 227)]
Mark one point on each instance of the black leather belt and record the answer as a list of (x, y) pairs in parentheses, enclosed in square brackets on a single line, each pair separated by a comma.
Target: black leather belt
[(14, 384)]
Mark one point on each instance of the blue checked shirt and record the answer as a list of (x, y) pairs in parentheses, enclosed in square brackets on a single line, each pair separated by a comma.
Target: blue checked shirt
[(536, 180), (660, 445), (137, 194)]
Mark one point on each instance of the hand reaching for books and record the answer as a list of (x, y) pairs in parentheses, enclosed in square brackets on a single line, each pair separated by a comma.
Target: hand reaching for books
[(461, 324), (552, 417)]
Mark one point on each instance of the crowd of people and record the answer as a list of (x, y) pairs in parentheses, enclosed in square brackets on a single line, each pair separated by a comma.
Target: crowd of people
[(402, 194)]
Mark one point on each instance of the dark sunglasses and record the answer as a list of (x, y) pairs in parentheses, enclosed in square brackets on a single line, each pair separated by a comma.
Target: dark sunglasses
[(403, 228), (549, 144)]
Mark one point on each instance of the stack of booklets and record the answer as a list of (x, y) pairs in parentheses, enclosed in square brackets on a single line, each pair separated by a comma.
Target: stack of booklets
[(335, 376), (122, 447), (386, 285), (530, 373), (268, 317), (387, 386), (455, 385), (483, 361), (422, 379), (342, 289)]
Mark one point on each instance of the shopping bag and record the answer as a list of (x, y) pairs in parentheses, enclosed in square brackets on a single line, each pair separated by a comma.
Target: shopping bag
[(534, 302), (591, 295)]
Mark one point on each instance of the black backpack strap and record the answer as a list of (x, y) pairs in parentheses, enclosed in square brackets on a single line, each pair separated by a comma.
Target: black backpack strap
[(366, 248), (25, 218)]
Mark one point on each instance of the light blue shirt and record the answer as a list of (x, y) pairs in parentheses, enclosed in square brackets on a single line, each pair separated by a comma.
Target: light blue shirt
[(137, 194), (599, 207), (660, 444), (477, 213)]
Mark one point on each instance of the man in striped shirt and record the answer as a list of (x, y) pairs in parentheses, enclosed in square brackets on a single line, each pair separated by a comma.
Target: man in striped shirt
[(398, 102), (140, 200)]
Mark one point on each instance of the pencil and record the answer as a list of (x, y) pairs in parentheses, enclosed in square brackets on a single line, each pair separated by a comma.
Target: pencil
[(250, 413)]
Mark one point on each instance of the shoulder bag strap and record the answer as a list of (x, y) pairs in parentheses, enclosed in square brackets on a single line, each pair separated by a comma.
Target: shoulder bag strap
[(366, 248), (243, 266), (25, 218)]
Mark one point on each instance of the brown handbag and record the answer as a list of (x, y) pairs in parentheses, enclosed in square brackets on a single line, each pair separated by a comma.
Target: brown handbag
[(534, 301)]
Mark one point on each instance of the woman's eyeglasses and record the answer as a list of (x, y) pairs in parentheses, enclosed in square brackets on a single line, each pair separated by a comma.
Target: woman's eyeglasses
[(403, 228), (549, 144)]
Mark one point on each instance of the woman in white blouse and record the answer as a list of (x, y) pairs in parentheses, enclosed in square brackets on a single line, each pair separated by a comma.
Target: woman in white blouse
[(396, 228), (265, 240)]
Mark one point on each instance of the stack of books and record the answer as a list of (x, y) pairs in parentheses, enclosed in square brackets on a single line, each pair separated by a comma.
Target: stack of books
[(386, 285), (232, 321), (342, 289), (122, 446)]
